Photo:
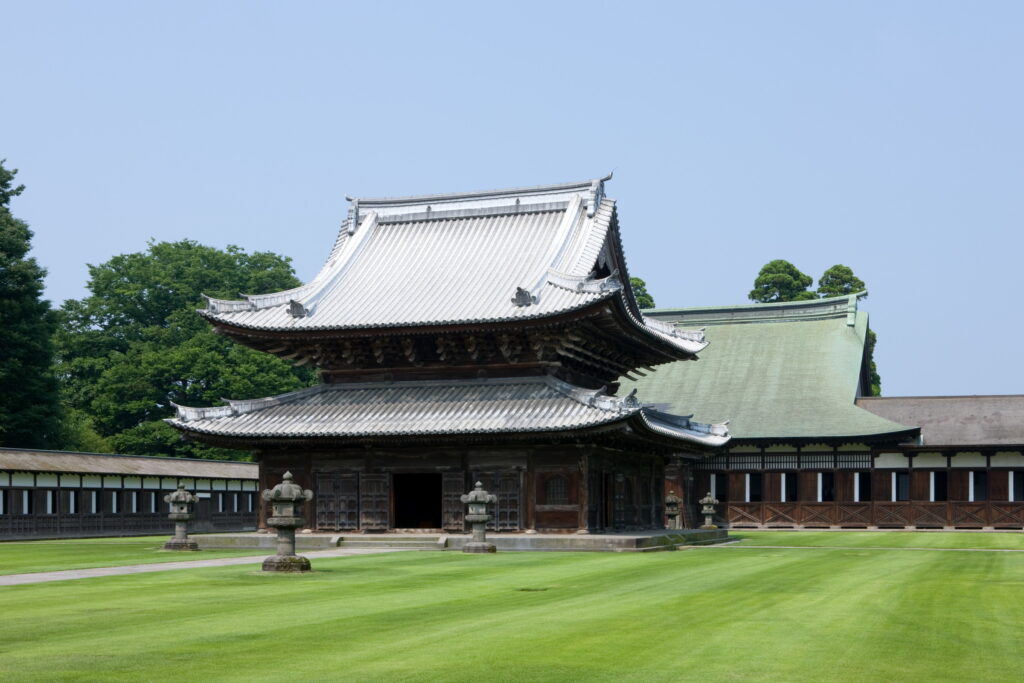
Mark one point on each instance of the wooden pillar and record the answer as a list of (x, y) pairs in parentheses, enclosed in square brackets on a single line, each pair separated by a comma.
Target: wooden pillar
[(531, 494), (583, 495)]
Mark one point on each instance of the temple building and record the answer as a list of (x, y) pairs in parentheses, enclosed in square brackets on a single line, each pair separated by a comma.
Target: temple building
[(811, 448), (460, 338)]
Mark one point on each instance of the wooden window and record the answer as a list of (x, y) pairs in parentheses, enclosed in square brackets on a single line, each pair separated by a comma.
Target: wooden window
[(826, 487), (938, 487), (862, 487), (719, 484), (790, 487), (754, 492), (977, 486), (1016, 486), (900, 486), (556, 491)]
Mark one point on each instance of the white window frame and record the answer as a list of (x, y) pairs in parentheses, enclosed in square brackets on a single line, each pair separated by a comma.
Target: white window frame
[(220, 502), (782, 488), (24, 501), (970, 486), (931, 487), (1009, 495), (892, 486), (73, 502), (152, 502), (856, 487), (94, 502), (3, 501), (114, 509), (746, 487), (819, 487), (49, 502), (714, 480)]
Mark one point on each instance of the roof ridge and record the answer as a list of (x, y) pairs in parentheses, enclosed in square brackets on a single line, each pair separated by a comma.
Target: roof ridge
[(478, 194)]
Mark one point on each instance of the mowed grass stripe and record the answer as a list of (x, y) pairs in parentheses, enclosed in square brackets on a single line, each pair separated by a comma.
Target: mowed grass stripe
[(23, 557), (756, 615)]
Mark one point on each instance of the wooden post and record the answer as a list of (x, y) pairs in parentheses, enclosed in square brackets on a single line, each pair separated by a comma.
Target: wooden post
[(582, 496)]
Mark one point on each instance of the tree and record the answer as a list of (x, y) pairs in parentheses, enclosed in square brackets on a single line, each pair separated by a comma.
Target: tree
[(874, 380), (29, 401), (136, 344), (839, 280), (781, 281), (643, 299)]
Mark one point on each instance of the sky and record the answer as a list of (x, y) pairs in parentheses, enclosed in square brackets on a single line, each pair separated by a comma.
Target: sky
[(888, 137)]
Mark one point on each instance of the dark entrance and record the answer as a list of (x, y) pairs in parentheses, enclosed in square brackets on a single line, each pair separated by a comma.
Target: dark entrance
[(417, 501)]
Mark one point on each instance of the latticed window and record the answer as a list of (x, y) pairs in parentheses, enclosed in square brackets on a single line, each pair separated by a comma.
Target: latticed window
[(556, 491)]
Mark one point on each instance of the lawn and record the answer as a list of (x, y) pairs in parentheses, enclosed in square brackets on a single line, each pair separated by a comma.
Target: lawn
[(714, 614), (20, 557)]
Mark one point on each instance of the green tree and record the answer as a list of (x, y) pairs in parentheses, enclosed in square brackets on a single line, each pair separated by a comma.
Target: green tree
[(874, 379), (781, 281), (839, 280), (29, 400), (643, 298), (136, 344)]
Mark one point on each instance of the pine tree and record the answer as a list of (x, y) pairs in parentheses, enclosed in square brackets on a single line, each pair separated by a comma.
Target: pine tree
[(29, 403)]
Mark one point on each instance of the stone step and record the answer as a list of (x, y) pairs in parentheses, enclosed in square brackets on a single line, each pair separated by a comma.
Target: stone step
[(422, 543)]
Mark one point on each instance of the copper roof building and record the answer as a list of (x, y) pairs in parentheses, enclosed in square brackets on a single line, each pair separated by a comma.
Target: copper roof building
[(465, 337)]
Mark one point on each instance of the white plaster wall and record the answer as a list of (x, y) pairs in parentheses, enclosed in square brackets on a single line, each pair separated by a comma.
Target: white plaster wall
[(897, 460)]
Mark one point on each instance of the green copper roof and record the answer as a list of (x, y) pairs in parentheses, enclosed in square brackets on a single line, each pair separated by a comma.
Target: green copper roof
[(774, 371)]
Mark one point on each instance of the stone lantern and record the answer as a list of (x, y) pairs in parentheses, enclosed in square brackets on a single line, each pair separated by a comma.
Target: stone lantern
[(181, 502), (672, 502), (285, 498), (478, 500), (709, 502)]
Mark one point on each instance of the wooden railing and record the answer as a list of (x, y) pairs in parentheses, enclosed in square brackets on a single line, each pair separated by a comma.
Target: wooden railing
[(1001, 515)]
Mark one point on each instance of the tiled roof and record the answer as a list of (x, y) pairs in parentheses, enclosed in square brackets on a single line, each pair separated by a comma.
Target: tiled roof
[(418, 408), (458, 259), (789, 370), (955, 420), (27, 460)]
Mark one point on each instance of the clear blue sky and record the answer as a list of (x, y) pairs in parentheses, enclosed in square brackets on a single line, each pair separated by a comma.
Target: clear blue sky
[(885, 136)]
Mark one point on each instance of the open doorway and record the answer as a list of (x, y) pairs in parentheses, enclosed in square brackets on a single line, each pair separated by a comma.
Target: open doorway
[(417, 500)]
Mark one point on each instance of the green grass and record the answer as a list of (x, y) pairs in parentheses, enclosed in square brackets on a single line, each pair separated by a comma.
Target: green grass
[(20, 557), (714, 614), (877, 539)]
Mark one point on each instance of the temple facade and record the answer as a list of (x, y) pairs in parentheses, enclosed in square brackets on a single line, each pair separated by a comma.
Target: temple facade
[(461, 338)]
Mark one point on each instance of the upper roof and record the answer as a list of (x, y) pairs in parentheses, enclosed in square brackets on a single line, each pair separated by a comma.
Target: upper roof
[(441, 407), (28, 460), (454, 259), (774, 371), (956, 420)]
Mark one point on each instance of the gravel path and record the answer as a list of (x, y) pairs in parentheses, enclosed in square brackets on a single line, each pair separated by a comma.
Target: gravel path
[(69, 574)]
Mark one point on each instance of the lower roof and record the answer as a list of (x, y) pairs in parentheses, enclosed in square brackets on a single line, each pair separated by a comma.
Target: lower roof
[(29, 460), (955, 420), (540, 404)]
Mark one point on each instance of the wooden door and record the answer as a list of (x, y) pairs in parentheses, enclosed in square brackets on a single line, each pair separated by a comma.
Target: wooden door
[(453, 485), (375, 501), (347, 505), (326, 497)]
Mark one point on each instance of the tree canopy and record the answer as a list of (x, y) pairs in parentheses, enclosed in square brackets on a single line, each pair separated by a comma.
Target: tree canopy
[(780, 280), (643, 298), (839, 280), (29, 403), (136, 344)]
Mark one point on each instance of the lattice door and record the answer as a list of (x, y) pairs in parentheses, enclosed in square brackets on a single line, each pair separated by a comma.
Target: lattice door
[(348, 501), (326, 497), (375, 501), (453, 485)]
